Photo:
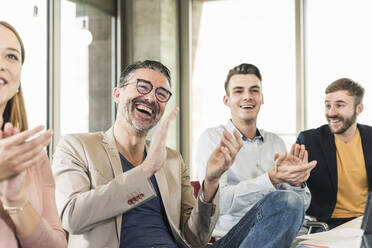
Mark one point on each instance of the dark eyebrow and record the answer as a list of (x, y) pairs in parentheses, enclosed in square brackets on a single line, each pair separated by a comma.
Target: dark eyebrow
[(144, 80), (238, 87), (255, 87), (338, 101)]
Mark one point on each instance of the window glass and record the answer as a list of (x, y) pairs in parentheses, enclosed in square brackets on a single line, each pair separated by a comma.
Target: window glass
[(29, 19), (228, 33), (338, 44), (87, 68)]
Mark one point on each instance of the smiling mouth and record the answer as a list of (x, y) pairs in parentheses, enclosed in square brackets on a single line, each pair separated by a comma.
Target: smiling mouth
[(144, 109), (334, 120), (247, 106)]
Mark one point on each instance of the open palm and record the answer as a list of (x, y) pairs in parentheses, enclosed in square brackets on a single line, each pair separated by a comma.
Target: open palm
[(224, 155)]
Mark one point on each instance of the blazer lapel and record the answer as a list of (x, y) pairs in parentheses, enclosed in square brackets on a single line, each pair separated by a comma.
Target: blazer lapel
[(169, 199), (162, 183), (329, 148), (163, 188), (365, 136), (168, 194), (109, 144)]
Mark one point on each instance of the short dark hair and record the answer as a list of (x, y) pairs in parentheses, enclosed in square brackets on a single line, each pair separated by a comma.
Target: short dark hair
[(353, 88), (242, 69), (148, 64)]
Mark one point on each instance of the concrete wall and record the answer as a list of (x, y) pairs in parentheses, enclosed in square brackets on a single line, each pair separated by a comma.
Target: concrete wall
[(154, 35)]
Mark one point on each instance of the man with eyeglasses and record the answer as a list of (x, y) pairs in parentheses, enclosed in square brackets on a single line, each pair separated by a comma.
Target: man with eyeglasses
[(115, 189), (260, 183)]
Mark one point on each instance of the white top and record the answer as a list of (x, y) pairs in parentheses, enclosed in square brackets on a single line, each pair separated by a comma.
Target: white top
[(247, 181)]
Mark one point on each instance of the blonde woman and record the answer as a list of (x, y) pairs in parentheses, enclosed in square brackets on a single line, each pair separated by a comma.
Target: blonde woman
[(28, 213)]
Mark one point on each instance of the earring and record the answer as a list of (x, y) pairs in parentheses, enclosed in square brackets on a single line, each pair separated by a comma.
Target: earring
[(17, 90)]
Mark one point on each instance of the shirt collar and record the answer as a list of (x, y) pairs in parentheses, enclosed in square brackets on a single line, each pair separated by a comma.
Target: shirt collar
[(230, 127)]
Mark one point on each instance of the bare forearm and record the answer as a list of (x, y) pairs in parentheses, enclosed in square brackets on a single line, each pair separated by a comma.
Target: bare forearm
[(209, 190)]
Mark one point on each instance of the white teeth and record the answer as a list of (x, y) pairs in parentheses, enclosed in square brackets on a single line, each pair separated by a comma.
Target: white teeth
[(2, 81), (247, 106), (144, 108), (333, 121)]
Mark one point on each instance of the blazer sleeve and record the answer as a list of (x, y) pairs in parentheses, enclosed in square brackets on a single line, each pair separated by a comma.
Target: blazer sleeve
[(85, 198), (300, 139), (49, 233), (198, 218)]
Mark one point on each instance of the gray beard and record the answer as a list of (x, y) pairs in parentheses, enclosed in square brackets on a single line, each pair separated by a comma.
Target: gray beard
[(141, 131)]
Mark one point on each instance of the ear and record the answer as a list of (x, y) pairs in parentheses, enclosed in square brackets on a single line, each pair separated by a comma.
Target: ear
[(262, 97), (359, 108), (116, 94), (226, 100)]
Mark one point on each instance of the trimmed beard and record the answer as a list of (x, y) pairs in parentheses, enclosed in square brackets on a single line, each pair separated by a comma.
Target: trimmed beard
[(140, 130), (347, 123)]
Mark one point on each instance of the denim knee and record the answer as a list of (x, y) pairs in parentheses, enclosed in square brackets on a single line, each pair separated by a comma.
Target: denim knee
[(288, 200)]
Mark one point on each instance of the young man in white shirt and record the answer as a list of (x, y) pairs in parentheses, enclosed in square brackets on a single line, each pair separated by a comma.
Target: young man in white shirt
[(258, 171)]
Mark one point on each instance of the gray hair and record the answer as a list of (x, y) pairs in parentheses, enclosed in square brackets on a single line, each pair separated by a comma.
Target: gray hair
[(148, 64)]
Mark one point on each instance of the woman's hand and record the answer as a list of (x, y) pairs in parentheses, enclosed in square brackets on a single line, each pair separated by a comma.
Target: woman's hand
[(17, 152), (11, 190)]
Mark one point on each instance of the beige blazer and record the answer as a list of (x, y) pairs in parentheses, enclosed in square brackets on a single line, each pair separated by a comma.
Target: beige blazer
[(92, 193)]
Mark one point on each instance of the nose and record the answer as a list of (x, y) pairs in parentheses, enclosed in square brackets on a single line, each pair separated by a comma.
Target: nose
[(332, 110), (247, 95), (151, 97)]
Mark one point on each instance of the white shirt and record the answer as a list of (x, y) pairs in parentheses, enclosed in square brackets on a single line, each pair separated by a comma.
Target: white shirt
[(247, 181)]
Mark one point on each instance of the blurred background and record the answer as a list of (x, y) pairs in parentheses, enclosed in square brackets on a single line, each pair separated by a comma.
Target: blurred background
[(75, 51)]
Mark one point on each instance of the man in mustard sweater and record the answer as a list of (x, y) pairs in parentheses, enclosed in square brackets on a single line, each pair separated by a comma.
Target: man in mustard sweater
[(340, 182)]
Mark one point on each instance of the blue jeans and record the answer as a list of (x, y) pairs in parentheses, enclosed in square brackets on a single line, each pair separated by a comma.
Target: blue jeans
[(272, 222)]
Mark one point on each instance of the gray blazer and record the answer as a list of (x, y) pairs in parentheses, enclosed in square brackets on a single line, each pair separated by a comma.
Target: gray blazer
[(92, 193)]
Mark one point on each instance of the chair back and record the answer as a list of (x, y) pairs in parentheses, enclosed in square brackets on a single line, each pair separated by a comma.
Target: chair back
[(196, 186)]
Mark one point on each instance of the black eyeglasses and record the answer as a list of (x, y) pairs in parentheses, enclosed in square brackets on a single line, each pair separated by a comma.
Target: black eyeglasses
[(144, 87)]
